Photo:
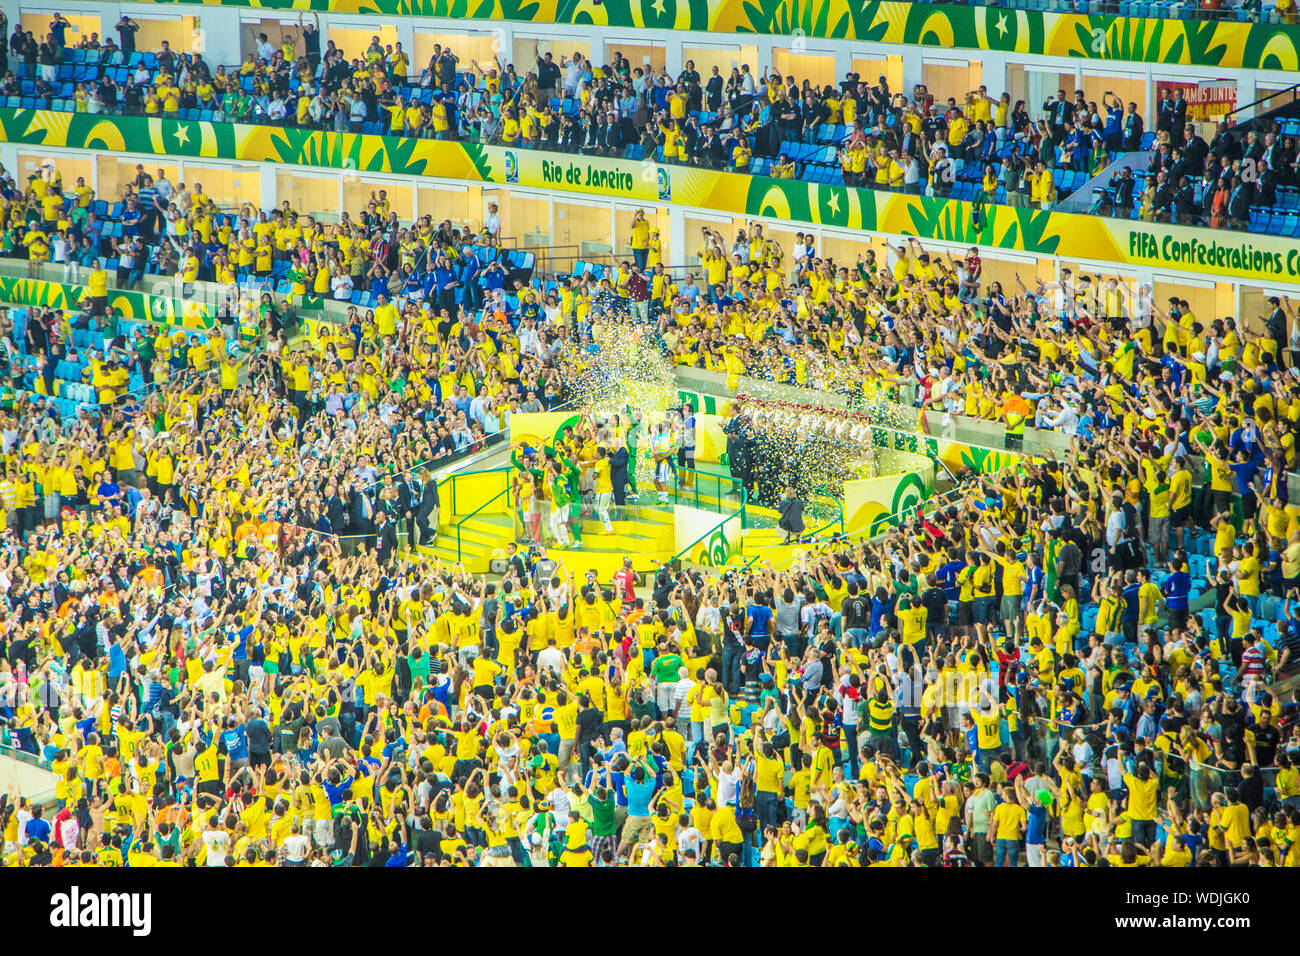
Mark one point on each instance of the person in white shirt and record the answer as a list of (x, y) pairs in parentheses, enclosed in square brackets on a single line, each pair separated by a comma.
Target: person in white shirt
[(911, 175), (23, 814), (492, 224), (559, 801), (529, 341), (217, 841), (551, 658), (728, 783), (342, 286), (681, 702), (573, 71), (1065, 420), (163, 186), (709, 617), (1083, 753), (689, 839), (747, 80), (803, 249), (59, 253)]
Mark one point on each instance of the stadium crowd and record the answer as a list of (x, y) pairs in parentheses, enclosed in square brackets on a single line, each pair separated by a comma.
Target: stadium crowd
[(969, 145), (1073, 662)]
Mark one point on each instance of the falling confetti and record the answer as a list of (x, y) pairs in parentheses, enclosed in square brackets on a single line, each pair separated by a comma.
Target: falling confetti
[(625, 372)]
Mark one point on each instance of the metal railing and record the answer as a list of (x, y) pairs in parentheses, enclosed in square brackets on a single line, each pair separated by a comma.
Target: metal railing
[(1203, 780), (460, 547), (546, 258), (43, 798), (717, 489), (837, 523), (1248, 114)]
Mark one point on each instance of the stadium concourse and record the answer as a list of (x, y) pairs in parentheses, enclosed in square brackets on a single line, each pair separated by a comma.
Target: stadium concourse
[(241, 630)]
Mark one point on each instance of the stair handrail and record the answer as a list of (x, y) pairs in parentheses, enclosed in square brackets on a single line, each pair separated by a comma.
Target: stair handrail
[(460, 556)]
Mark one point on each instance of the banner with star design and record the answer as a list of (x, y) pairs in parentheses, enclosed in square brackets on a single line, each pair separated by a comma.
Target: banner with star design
[(1216, 254), (975, 27)]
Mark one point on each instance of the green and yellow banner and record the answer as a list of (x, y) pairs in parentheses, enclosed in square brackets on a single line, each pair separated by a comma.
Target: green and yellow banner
[(538, 430), (137, 306), (1217, 254), (975, 27)]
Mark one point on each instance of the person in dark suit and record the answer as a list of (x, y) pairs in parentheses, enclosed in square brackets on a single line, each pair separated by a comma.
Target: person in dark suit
[(1123, 185), (426, 515), (362, 513), (791, 508), (1225, 147), (618, 462), (738, 450), (1178, 124), (409, 493), (336, 511), (390, 503), (1165, 112), (386, 533), (713, 90), (1195, 150)]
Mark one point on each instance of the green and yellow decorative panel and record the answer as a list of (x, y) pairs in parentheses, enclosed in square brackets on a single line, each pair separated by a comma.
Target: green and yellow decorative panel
[(710, 539), (1214, 254), (1082, 36), (140, 306), (980, 461), (873, 505)]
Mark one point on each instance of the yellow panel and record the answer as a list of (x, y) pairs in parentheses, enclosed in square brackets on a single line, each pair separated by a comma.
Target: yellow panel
[(82, 26), (637, 55), (604, 563), (894, 71), (354, 43), (1202, 301), (1128, 90), (229, 186), (276, 33), (114, 174), (483, 47), (1255, 309), (804, 66), (951, 79), (870, 70), (314, 195), (575, 224), (726, 60), (527, 50), (183, 34), (70, 166), (464, 207), (523, 216), (465, 494), (358, 194)]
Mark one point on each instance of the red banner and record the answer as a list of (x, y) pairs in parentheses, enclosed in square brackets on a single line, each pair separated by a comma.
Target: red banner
[(1205, 101)]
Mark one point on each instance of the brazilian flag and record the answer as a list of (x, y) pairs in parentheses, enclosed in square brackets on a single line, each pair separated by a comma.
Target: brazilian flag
[(778, 199), (833, 204), (1051, 547), (1010, 31)]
